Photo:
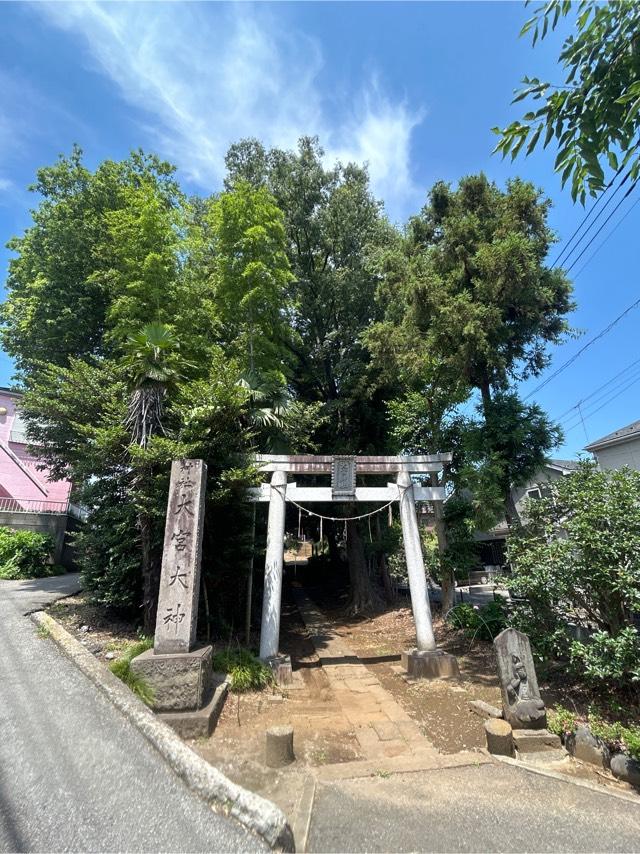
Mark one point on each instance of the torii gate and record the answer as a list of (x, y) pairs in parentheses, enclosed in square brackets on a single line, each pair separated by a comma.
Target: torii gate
[(426, 659)]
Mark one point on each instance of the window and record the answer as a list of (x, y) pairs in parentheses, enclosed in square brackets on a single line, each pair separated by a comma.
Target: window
[(18, 430), (533, 493)]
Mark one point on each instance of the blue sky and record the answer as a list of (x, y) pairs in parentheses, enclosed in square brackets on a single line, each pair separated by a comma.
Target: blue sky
[(411, 88)]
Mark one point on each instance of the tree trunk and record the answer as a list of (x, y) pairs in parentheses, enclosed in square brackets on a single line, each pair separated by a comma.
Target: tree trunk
[(150, 575), (447, 576), (364, 597), (332, 540), (389, 591), (511, 511)]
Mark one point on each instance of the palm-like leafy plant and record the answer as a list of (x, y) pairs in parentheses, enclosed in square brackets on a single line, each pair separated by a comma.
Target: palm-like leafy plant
[(151, 360)]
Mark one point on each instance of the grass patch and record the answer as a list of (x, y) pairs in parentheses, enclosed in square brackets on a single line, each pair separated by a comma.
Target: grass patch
[(43, 631), (247, 672), (121, 668)]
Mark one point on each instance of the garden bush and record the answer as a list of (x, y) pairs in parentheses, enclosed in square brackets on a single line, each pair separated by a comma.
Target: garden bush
[(25, 554), (483, 623), (247, 672), (576, 564)]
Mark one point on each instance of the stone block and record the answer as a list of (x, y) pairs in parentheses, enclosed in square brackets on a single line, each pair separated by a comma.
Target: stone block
[(180, 681), (485, 710), (499, 737), (279, 746), (535, 740), (586, 747), (201, 722), (430, 664), (281, 668)]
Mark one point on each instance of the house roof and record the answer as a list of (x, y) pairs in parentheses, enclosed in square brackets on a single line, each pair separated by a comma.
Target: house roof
[(631, 431), (569, 465), (11, 392)]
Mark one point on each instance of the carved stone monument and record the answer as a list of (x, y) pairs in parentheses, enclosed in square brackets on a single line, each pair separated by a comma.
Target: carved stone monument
[(178, 670), (521, 701)]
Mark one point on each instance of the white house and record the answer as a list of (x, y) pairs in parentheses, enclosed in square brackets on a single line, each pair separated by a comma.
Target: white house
[(493, 542), (618, 449)]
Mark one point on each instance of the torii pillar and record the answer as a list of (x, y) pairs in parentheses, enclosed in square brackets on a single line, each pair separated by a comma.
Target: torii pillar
[(426, 660)]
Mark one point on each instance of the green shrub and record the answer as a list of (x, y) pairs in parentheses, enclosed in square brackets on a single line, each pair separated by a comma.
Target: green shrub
[(616, 734), (463, 616), (608, 658), (577, 562), (561, 721), (247, 672), (25, 554), (483, 623), (121, 668)]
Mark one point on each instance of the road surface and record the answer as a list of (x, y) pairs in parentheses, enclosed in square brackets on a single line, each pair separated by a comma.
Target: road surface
[(75, 775)]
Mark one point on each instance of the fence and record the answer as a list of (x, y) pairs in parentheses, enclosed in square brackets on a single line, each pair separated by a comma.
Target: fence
[(32, 505)]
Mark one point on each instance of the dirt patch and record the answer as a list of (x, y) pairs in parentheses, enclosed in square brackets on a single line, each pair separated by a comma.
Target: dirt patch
[(441, 708), (103, 632)]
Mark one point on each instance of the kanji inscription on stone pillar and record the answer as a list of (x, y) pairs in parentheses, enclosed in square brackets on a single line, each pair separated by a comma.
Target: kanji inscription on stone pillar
[(180, 576)]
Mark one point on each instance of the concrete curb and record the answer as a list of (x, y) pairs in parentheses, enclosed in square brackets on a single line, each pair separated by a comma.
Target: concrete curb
[(564, 778), (255, 813)]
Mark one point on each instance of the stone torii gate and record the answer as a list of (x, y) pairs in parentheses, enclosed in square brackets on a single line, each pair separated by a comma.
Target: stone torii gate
[(426, 659)]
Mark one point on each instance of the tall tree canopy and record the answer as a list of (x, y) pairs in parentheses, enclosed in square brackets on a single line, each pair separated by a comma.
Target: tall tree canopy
[(332, 223), (470, 306), (595, 113)]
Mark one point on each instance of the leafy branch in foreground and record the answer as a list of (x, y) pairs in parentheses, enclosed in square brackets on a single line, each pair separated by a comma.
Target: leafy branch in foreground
[(595, 113)]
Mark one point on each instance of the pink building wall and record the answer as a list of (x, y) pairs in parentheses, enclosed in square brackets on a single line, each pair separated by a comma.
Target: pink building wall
[(19, 474)]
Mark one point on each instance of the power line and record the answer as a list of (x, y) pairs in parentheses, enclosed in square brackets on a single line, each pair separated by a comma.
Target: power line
[(626, 195), (606, 403), (595, 391), (586, 346), (586, 218), (617, 225), (605, 396)]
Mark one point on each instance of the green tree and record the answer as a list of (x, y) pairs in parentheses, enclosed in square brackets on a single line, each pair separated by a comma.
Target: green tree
[(577, 560), (469, 306), (594, 116), (249, 279), (58, 288)]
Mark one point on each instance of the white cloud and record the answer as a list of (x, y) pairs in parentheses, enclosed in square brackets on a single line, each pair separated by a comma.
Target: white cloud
[(5, 184), (208, 75)]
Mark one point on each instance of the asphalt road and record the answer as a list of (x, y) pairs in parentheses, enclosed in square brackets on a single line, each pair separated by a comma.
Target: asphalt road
[(488, 808), (75, 775)]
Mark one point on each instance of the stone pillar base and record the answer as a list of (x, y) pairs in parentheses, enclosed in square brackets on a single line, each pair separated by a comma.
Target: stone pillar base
[(181, 681), (430, 664), (201, 722), (281, 668)]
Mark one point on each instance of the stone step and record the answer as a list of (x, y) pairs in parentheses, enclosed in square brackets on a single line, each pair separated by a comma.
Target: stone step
[(535, 740)]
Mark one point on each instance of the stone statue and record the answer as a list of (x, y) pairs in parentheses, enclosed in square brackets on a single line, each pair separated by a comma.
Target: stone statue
[(521, 701)]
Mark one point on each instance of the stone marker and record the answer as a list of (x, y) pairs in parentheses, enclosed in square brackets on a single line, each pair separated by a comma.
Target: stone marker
[(499, 737), (521, 701), (179, 671), (279, 746), (182, 553)]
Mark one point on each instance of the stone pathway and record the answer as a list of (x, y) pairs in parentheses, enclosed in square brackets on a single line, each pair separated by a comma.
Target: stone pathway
[(389, 739)]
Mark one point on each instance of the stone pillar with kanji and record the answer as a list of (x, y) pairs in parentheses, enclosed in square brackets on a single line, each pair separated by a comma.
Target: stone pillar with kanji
[(178, 669)]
